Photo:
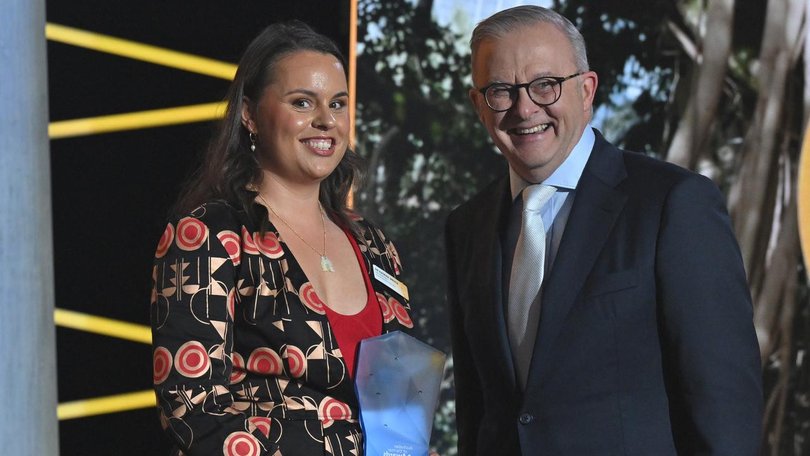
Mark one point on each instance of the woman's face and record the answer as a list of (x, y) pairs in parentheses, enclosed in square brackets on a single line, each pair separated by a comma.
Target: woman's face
[(301, 119)]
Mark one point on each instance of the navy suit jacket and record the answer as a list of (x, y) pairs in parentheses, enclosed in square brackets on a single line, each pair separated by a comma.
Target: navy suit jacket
[(645, 345)]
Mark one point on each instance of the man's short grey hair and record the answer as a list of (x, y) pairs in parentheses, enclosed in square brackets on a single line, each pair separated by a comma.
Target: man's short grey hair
[(508, 20)]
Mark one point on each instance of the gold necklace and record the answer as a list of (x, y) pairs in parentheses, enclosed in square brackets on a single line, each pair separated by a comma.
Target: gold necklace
[(326, 264)]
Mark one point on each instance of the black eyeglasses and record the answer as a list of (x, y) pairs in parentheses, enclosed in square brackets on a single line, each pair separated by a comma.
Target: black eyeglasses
[(543, 91)]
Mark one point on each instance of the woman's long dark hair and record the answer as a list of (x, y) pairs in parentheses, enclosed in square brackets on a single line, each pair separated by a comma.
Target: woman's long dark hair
[(230, 171)]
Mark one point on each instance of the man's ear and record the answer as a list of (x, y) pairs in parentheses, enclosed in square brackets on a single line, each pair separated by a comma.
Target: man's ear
[(476, 98), (247, 116), (590, 81)]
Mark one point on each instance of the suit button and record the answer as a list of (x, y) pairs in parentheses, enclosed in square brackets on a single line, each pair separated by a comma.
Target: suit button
[(526, 418)]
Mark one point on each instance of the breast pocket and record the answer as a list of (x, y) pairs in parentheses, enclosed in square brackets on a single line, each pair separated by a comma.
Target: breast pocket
[(611, 283)]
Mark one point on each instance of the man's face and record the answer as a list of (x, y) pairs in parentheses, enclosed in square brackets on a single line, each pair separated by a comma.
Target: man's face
[(535, 140)]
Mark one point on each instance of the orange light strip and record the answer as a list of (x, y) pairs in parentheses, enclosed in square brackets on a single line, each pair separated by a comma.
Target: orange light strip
[(804, 191), (352, 69), (352, 81)]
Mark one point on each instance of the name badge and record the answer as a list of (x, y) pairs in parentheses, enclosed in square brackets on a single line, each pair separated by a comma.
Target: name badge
[(390, 281)]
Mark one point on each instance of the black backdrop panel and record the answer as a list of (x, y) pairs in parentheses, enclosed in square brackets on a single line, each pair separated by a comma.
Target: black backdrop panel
[(111, 192)]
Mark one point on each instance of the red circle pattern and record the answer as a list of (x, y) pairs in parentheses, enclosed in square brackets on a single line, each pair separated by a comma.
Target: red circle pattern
[(311, 299), (331, 410), (165, 241), (241, 443), (266, 361), (230, 241), (247, 243), (191, 234), (269, 245), (401, 313), (191, 360), (238, 370), (262, 423), (296, 360), (161, 365), (387, 311)]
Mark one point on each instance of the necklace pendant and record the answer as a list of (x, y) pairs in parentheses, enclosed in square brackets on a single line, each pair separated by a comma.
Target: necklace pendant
[(326, 264)]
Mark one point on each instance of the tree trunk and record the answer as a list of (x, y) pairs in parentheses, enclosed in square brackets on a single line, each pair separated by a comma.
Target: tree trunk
[(782, 29), (690, 141)]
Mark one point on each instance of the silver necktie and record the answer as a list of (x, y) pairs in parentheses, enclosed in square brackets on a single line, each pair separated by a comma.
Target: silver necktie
[(526, 277)]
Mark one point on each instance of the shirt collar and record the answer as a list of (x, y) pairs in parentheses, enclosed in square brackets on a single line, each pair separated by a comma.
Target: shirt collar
[(567, 175)]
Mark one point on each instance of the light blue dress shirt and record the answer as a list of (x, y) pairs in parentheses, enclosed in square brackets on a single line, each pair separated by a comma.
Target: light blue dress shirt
[(555, 213)]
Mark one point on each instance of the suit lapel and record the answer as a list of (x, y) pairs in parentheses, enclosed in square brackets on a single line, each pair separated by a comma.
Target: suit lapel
[(487, 272), (596, 207)]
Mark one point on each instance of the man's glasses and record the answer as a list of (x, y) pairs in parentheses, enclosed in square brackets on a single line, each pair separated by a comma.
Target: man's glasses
[(543, 91)]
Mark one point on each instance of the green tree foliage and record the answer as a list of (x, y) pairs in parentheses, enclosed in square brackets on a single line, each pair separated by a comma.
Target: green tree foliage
[(426, 151), (628, 49), (425, 147)]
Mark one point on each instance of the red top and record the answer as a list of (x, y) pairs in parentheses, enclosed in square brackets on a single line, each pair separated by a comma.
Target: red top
[(349, 330)]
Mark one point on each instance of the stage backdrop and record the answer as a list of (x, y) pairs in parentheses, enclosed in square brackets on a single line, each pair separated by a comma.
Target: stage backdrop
[(427, 153), (111, 190)]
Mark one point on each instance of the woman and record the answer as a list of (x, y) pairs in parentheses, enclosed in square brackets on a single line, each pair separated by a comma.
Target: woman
[(265, 282)]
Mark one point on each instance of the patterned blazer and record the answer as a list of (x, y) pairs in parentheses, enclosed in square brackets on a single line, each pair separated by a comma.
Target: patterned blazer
[(245, 361)]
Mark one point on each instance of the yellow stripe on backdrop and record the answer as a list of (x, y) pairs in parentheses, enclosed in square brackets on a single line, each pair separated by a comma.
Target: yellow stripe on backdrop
[(104, 326), (139, 51), (112, 328), (136, 120), (147, 53), (107, 404)]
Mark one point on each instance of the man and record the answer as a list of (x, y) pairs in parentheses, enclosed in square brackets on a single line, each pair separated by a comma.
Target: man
[(640, 340)]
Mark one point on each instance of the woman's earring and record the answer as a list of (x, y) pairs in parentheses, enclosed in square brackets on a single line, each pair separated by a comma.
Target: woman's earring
[(252, 142)]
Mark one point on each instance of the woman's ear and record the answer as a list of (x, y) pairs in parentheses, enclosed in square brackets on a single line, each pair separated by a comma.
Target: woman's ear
[(247, 116)]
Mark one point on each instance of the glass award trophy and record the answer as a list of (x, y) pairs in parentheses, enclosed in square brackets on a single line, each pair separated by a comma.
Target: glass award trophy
[(398, 379)]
